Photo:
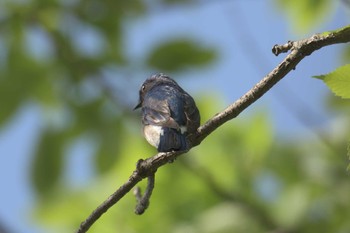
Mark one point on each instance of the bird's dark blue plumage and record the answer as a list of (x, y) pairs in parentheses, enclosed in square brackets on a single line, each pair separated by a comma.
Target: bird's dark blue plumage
[(169, 113)]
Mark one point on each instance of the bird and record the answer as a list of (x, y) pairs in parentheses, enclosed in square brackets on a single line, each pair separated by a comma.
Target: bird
[(169, 114)]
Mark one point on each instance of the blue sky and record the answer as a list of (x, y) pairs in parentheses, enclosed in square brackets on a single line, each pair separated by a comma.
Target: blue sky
[(243, 32)]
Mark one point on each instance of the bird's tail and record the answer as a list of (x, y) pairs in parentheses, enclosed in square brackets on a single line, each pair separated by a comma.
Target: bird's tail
[(172, 140)]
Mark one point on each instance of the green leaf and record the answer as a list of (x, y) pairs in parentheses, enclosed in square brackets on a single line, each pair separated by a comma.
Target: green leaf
[(338, 81), (305, 14), (180, 54), (48, 161)]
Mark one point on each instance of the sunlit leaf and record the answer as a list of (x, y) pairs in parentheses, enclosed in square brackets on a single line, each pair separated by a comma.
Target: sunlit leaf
[(180, 54), (338, 81)]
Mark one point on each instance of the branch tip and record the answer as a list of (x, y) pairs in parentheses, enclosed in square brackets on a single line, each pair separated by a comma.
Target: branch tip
[(143, 201), (278, 49)]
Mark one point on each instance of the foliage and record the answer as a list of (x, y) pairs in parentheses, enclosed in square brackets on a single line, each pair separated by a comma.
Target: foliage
[(305, 14), (338, 81), (185, 52)]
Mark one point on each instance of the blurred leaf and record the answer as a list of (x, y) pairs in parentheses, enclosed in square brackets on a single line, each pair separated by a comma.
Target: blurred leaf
[(224, 218), (176, 55), (88, 115), (338, 81), (340, 105), (50, 17), (19, 83), (10, 99), (346, 53), (305, 14), (258, 140), (225, 144), (45, 92), (111, 140), (48, 161), (63, 214), (65, 209), (292, 205)]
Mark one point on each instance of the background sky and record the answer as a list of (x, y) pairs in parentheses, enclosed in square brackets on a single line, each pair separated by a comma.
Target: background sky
[(243, 61)]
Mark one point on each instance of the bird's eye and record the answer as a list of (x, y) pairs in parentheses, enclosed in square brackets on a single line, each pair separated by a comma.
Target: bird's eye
[(143, 87)]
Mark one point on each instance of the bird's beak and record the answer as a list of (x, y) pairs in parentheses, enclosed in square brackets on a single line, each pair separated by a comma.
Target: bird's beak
[(138, 105)]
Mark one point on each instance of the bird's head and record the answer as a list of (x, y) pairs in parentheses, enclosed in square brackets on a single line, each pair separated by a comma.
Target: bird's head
[(154, 80)]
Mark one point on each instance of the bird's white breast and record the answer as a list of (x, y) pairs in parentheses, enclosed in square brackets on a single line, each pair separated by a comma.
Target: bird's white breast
[(152, 134)]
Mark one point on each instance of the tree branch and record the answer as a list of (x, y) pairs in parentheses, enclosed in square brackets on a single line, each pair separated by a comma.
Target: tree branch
[(148, 167)]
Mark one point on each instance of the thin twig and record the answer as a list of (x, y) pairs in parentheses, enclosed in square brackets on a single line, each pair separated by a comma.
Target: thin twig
[(143, 201), (147, 167)]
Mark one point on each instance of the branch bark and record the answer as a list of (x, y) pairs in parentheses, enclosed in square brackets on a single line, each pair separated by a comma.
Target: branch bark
[(147, 168)]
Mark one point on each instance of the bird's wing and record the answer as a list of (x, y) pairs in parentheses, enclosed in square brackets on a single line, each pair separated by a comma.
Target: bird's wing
[(157, 112), (192, 114)]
